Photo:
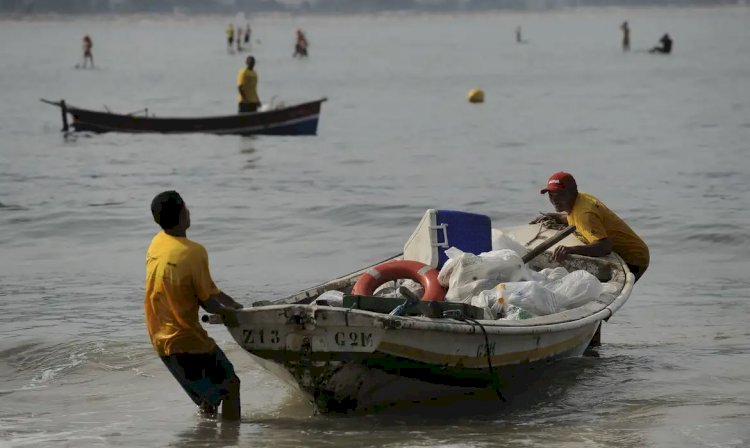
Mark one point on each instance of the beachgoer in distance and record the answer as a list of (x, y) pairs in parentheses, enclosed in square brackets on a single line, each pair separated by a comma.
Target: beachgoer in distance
[(247, 33), (597, 226), (247, 85), (178, 281), (300, 45), (230, 36), (518, 34), (88, 57), (665, 47), (239, 39), (625, 36), (519, 39)]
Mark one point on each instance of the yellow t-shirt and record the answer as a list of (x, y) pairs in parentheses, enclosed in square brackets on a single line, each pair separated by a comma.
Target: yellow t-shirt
[(177, 280), (247, 80), (594, 221)]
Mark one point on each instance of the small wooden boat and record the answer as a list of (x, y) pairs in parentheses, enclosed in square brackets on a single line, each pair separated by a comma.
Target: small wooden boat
[(362, 357), (299, 119)]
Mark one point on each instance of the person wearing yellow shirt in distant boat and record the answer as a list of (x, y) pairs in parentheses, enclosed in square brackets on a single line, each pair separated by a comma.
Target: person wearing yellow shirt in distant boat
[(178, 282), (247, 84), (597, 226)]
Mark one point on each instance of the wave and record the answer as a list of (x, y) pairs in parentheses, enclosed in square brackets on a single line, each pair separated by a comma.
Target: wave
[(39, 365)]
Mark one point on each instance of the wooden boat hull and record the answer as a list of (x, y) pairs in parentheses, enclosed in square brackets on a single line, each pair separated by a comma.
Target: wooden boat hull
[(300, 119), (357, 360)]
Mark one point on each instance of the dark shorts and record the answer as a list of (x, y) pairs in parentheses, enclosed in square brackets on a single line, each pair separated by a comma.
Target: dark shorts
[(206, 377), (247, 107), (637, 270)]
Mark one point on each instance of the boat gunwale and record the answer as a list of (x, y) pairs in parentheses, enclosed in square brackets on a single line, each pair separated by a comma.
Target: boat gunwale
[(73, 109), (562, 321)]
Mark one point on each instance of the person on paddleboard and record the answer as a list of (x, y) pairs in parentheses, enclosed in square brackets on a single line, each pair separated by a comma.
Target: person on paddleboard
[(300, 45), (625, 36), (178, 282), (88, 57)]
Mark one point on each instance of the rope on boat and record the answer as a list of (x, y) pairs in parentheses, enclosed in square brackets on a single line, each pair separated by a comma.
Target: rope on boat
[(546, 222), (495, 384)]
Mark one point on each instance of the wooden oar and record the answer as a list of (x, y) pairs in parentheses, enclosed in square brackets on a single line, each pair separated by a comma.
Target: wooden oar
[(546, 244)]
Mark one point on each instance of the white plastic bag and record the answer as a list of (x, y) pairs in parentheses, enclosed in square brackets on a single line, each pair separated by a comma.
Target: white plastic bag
[(503, 241), (470, 273), (513, 312), (531, 296), (390, 289), (486, 300), (552, 274), (576, 289), (332, 298)]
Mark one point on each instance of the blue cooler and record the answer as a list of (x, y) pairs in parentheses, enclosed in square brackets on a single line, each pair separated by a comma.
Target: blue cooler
[(440, 229)]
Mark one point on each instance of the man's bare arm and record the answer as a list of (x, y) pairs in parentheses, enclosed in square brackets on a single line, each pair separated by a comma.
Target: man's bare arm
[(598, 248)]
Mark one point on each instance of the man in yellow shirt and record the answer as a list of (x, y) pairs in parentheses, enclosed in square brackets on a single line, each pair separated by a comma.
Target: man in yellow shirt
[(177, 283), (247, 84), (597, 226), (230, 37)]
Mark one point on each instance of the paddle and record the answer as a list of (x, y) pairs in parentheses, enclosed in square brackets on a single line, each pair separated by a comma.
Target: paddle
[(546, 244)]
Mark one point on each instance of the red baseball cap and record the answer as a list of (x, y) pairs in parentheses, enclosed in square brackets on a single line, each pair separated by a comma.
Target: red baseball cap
[(560, 181)]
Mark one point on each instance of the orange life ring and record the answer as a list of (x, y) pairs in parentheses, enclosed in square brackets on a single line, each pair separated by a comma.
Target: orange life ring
[(426, 275)]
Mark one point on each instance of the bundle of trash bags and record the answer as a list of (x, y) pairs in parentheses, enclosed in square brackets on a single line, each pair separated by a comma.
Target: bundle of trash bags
[(499, 282)]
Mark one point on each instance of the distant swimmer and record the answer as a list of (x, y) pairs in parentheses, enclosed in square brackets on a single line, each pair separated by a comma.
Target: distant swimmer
[(88, 57), (230, 37), (519, 39), (247, 84), (665, 47), (625, 36), (300, 46)]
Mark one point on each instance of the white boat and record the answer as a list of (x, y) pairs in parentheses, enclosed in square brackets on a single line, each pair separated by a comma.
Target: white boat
[(359, 357)]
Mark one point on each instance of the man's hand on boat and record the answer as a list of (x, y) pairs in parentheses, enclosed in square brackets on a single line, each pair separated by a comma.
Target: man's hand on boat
[(598, 248), (561, 252), (224, 306)]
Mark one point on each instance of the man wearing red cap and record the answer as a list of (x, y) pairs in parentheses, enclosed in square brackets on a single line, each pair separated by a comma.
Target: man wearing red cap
[(597, 226)]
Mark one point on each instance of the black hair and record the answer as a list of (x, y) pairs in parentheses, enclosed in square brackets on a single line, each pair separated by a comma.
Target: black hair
[(250, 62), (166, 208)]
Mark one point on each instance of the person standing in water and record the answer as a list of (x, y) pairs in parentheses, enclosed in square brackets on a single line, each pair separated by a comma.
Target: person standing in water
[(300, 46), (230, 37), (519, 39), (239, 39), (247, 85), (625, 36), (178, 283), (87, 55)]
